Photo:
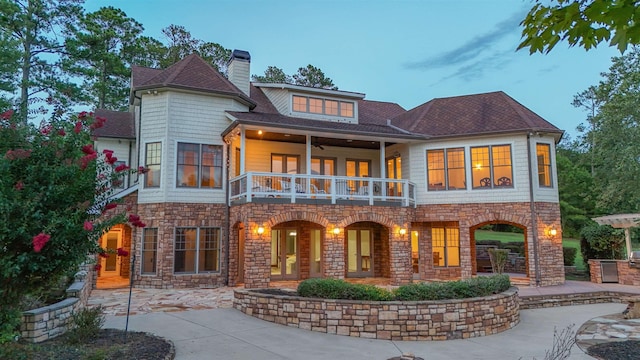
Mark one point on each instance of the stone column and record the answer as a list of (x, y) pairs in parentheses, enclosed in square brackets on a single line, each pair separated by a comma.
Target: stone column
[(400, 270), (257, 270), (333, 255)]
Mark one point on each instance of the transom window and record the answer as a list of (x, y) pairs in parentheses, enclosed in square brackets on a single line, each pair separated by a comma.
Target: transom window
[(491, 167), (199, 166), (323, 106), (153, 155), (446, 170), (196, 250), (543, 153), (445, 244)]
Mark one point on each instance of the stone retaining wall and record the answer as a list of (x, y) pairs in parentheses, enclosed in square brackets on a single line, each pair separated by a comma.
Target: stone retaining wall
[(598, 297), (47, 322), (390, 320)]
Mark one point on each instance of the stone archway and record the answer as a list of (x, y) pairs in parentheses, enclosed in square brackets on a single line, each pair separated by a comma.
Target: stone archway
[(480, 262)]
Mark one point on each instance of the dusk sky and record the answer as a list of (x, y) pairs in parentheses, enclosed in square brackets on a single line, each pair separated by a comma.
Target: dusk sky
[(406, 52)]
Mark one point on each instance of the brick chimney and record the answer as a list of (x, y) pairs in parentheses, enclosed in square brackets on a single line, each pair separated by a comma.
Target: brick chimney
[(239, 70)]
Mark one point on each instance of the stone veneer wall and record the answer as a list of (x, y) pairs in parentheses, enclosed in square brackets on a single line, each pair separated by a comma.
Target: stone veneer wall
[(257, 248), (166, 217), (393, 320), (47, 322), (626, 275)]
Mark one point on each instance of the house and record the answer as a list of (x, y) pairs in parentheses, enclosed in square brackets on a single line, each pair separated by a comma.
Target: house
[(250, 183)]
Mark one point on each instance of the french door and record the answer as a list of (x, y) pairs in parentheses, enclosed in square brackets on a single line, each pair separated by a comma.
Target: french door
[(111, 241), (359, 253), (284, 254)]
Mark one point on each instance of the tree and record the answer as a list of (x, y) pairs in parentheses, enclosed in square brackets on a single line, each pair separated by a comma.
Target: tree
[(180, 44), (585, 23), (99, 51), (306, 76), (273, 74), (313, 77), (33, 25), (53, 207)]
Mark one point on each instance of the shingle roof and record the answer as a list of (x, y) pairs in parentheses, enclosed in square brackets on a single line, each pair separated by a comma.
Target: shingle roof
[(289, 122), (140, 75), (192, 72), (119, 124), (494, 112), (263, 105), (377, 112)]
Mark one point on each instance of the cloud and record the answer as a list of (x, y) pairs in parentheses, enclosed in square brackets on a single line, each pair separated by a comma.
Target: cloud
[(472, 48), (498, 60)]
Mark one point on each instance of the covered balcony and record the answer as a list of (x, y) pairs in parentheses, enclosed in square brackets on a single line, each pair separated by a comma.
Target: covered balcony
[(320, 189)]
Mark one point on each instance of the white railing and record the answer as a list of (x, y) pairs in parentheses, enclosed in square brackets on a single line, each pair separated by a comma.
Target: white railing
[(330, 189)]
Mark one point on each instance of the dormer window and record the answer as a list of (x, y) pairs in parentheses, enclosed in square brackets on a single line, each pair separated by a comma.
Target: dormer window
[(321, 106)]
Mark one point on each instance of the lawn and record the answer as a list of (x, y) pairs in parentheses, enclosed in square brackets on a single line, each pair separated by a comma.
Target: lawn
[(509, 237)]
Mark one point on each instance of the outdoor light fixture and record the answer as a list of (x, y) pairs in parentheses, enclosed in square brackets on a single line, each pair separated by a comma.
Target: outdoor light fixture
[(551, 232), (260, 231), (336, 232), (403, 232), (259, 132)]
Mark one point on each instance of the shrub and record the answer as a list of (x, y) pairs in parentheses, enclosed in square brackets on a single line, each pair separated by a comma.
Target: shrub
[(569, 255), (462, 289), (340, 289), (489, 242), (601, 242), (498, 259), (515, 247), (85, 325)]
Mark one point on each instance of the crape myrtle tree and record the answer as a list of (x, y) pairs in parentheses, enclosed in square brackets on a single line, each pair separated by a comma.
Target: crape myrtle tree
[(55, 203)]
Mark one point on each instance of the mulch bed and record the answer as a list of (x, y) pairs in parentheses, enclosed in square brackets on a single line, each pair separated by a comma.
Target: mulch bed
[(109, 345), (616, 350)]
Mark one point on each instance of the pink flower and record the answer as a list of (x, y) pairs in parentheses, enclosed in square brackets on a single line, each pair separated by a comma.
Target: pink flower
[(133, 218), (45, 130), (6, 115), (121, 167), (143, 170), (17, 154), (39, 241), (110, 206), (19, 185), (88, 149), (85, 160), (98, 123), (61, 132), (103, 254), (82, 115), (88, 226), (111, 160), (78, 127), (122, 252), (97, 267), (107, 152), (138, 224)]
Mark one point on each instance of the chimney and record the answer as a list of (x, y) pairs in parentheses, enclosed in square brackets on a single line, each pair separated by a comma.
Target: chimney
[(239, 70)]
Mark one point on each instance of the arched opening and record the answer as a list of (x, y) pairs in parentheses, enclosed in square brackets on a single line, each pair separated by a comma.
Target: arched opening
[(367, 252), (500, 235), (114, 267), (296, 250)]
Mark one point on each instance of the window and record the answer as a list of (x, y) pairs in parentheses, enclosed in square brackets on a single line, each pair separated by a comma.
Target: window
[(445, 244), (323, 106), (153, 155), (285, 164), (491, 166), (543, 152), (199, 166), (196, 250), (446, 177), (149, 250)]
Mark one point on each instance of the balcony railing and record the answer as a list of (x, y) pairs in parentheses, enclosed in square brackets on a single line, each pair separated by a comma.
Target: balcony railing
[(298, 188)]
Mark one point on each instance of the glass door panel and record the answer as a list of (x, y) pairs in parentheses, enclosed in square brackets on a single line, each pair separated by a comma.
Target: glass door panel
[(290, 255), (316, 254), (276, 264), (365, 250), (352, 250), (111, 241), (415, 254), (359, 250), (284, 254)]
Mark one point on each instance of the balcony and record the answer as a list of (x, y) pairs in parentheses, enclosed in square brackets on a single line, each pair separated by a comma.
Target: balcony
[(259, 187)]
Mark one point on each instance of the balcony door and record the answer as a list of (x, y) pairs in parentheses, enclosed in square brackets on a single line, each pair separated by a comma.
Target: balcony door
[(359, 253), (394, 171), (284, 254), (323, 166), (358, 168)]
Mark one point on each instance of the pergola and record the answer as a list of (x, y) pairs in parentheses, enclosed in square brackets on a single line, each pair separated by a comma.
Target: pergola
[(621, 221)]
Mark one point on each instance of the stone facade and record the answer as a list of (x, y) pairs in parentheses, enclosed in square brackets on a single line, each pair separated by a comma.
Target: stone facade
[(626, 275), (391, 251), (166, 217), (394, 320)]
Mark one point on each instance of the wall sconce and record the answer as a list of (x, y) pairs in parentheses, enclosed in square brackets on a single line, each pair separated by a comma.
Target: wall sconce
[(336, 232), (260, 231), (551, 231), (402, 232)]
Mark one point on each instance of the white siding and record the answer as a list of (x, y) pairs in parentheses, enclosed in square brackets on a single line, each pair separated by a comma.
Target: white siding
[(519, 192), (279, 98), (123, 149), (544, 194), (153, 128)]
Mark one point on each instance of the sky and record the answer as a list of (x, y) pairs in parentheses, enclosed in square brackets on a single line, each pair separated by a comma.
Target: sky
[(402, 51)]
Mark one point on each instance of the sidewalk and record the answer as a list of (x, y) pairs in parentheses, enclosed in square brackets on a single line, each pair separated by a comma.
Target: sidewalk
[(202, 325)]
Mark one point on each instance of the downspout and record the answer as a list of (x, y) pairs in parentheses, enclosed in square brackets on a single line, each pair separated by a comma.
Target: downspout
[(139, 125), (534, 221), (227, 215)]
